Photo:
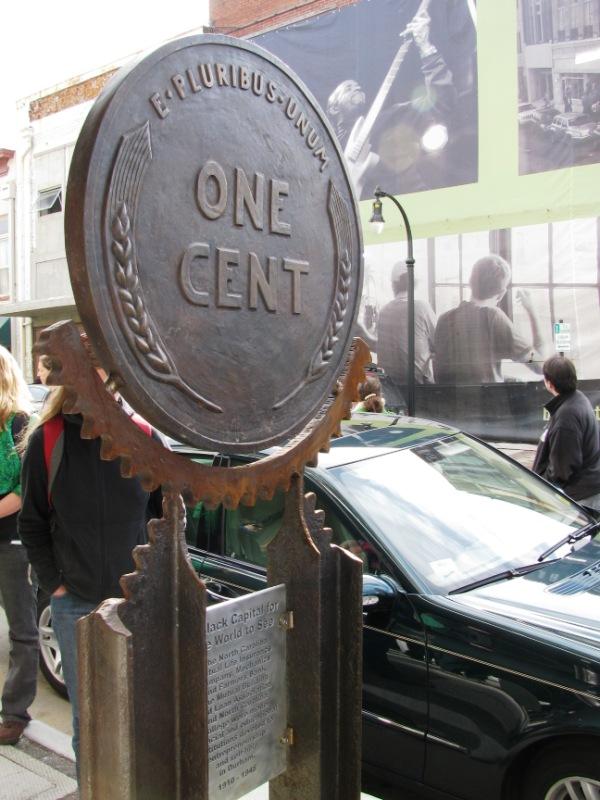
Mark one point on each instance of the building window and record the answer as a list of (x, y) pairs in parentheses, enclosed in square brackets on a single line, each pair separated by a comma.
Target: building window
[(49, 201), (452, 264), (562, 20), (575, 83), (4, 259), (558, 265), (588, 19)]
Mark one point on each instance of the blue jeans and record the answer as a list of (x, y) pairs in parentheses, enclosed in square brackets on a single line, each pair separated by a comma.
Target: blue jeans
[(18, 592), (66, 610)]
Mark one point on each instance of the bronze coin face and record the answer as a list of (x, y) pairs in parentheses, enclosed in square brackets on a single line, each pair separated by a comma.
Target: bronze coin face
[(213, 243)]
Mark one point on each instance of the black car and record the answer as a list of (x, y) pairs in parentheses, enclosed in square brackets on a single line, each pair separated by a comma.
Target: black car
[(481, 610)]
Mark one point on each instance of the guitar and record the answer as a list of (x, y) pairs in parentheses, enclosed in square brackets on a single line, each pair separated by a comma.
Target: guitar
[(359, 156)]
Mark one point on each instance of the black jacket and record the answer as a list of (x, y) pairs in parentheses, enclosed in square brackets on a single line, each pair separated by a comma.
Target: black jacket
[(568, 454), (84, 537)]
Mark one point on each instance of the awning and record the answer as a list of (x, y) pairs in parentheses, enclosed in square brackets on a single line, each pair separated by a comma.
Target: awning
[(54, 308)]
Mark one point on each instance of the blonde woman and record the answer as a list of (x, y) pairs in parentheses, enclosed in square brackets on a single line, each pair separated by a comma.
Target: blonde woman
[(17, 590)]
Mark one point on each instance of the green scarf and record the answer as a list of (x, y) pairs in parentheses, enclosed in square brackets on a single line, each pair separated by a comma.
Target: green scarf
[(10, 463)]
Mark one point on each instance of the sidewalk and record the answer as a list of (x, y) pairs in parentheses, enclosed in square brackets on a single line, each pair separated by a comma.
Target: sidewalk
[(523, 453), (29, 771)]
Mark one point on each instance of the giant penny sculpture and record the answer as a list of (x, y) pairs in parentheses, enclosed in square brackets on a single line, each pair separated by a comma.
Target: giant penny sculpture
[(213, 243)]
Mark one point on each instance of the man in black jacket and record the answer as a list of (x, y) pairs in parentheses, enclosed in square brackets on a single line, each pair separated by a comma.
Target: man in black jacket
[(568, 454)]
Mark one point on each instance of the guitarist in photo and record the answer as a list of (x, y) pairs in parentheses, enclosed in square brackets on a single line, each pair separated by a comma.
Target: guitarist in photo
[(400, 146)]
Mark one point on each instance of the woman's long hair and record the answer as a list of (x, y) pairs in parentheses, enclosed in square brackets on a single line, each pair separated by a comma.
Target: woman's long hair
[(52, 406), (14, 394)]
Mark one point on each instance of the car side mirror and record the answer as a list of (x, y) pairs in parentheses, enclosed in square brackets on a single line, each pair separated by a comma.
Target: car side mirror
[(377, 593)]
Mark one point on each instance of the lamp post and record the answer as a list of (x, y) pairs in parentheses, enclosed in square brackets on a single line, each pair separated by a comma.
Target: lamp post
[(378, 222)]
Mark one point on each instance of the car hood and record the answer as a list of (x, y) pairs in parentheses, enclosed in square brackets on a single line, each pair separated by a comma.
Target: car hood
[(563, 597)]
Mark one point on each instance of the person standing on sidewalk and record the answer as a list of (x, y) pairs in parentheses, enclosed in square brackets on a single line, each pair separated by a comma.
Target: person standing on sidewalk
[(568, 454), (18, 591), (80, 525)]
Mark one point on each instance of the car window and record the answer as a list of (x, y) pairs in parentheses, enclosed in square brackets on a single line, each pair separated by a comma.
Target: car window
[(454, 511), (203, 527), (249, 530), (37, 391)]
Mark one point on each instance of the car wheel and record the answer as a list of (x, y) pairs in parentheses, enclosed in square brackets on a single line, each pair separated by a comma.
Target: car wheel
[(50, 660), (567, 773)]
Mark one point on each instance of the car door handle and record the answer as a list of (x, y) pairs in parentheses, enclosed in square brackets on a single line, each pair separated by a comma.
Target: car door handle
[(479, 638)]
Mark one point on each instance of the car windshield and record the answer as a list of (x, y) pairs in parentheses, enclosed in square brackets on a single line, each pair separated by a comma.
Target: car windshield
[(455, 511)]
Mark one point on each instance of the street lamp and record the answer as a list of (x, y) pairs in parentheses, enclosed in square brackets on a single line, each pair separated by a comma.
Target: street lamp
[(378, 222)]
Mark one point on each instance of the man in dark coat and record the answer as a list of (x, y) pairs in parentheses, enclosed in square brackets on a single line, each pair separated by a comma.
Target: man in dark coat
[(568, 454)]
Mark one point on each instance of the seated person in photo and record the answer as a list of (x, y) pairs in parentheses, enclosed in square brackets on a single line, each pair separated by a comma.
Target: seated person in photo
[(472, 339)]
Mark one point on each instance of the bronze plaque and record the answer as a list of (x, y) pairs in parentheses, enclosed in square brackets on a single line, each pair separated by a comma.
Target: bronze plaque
[(213, 243)]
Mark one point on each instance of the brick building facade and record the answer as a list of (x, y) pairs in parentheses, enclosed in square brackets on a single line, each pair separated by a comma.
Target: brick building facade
[(249, 17)]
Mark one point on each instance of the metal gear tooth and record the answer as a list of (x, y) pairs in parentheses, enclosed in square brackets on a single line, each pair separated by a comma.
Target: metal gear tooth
[(89, 428), (319, 515), (266, 492), (229, 502), (108, 452), (71, 402), (131, 584), (141, 555), (148, 481), (310, 502), (248, 499), (126, 467), (284, 485)]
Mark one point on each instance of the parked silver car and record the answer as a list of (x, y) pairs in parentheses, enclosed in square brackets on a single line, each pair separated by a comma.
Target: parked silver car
[(578, 127)]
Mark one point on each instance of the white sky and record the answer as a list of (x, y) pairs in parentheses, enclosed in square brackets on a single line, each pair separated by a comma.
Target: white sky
[(45, 43)]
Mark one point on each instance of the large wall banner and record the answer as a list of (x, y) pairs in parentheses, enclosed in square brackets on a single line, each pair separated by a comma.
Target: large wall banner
[(483, 118), (398, 81), (559, 84)]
